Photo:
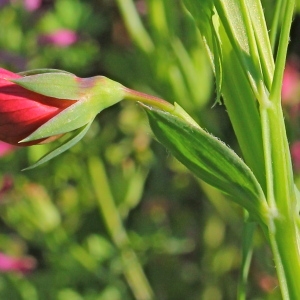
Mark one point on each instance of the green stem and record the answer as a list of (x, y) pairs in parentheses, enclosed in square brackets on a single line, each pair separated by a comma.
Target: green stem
[(135, 26), (283, 232), (281, 198), (285, 248), (159, 103), (148, 99), (133, 271), (282, 202), (248, 232)]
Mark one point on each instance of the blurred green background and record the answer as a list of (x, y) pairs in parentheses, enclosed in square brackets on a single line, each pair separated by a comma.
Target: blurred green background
[(89, 219)]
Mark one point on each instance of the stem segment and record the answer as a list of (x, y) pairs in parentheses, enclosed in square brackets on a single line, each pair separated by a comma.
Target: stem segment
[(283, 230), (133, 271)]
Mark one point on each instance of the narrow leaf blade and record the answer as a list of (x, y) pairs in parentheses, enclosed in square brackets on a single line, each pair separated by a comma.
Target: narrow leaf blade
[(209, 159)]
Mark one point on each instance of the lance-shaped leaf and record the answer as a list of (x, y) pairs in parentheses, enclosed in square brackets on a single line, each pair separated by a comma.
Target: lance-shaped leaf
[(210, 159), (231, 49), (204, 17)]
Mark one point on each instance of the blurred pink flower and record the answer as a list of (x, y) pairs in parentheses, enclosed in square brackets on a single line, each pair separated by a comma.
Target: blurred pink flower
[(7, 185), (141, 7), (16, 264), (295, 153), (6, 148), (61, 38), (267, 282), (3, 2), (15, 61), (290, 91), (32, 5)]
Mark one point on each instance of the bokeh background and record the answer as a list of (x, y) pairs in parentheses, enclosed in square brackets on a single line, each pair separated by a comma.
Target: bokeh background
[(117, 213)]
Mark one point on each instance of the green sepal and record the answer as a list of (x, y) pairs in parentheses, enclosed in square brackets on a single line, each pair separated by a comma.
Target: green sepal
[(41, 71), (209, 159), (57, 85), (75, 137), (104, 93)]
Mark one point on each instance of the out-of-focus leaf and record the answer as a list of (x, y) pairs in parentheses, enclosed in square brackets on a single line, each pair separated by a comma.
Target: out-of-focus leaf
[(210, 159)]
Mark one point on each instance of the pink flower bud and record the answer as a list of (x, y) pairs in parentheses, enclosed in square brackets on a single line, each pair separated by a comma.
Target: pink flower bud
[(6, 185), (23, 111)]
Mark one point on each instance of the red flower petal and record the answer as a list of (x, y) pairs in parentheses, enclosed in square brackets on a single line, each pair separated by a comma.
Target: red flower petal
[(23, 111)]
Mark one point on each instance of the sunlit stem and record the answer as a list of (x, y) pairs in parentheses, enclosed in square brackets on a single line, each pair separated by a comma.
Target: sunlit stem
[(148, 100)]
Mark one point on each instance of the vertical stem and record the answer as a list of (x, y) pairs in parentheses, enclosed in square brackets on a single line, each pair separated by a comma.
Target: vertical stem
[(248, 232), (135, 25), (283, 231), (133, 271), (285, 248)]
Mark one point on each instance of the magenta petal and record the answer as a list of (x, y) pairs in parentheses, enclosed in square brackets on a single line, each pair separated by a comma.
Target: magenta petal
[(14, 264)]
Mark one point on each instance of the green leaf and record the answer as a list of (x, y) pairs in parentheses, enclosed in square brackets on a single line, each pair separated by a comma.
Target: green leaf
[(235, 17), (203, 15), (225, 51), (262, 40), (76, 136), (210, 159)]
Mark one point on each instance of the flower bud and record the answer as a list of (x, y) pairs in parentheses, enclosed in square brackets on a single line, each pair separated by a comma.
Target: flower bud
[(41, 107)]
